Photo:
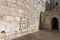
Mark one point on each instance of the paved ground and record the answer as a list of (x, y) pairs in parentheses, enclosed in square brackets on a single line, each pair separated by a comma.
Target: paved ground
[(41, 35)]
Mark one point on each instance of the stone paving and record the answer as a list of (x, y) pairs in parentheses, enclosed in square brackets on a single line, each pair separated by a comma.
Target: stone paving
[(41, 35)]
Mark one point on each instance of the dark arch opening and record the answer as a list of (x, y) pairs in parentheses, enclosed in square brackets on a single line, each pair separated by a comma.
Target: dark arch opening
[(56, 3), (54, 24)]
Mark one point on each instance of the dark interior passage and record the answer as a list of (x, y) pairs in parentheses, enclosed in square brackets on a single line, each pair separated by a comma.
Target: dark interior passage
[(54, 24), (56, 3)]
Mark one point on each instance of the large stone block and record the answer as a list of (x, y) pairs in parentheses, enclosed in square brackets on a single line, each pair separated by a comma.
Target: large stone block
[(29, 30), (8, 18), (24, 24), (17, 19), (2, 25), (1, 18), (20, 10), (8, 27)]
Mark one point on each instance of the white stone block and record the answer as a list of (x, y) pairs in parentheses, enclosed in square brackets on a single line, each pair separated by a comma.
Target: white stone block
[(8, 18), (21, 11), (24, 31), (8, 27), (14, 1), (2, 25), (17, 19), (29, 30)]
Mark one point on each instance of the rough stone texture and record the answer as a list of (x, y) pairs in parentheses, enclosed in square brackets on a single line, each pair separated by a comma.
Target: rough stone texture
[(47, 16), (20, 17), (47, 19)]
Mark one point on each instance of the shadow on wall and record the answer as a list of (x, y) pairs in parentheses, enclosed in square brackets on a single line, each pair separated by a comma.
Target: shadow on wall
[(48, 6)]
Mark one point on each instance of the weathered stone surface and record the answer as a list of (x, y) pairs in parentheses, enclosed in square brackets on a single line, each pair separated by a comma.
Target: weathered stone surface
[(1, 18), (9, 18), (17, 19), (48, 19), (20, 16)]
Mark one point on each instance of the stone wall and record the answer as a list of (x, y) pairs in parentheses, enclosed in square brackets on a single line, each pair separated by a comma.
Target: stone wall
[(47, 19), (20, 17)]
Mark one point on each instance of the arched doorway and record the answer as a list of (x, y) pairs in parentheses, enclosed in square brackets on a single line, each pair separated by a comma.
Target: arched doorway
[(54, 24)]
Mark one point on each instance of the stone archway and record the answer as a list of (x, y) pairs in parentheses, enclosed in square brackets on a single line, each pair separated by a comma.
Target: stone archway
[(54, 24)]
